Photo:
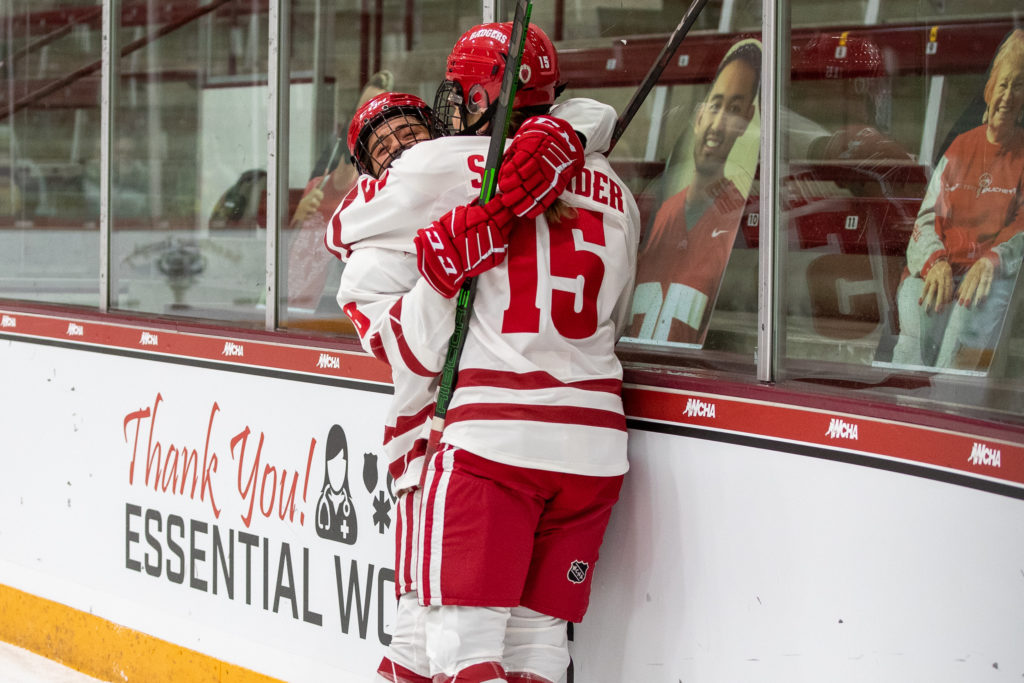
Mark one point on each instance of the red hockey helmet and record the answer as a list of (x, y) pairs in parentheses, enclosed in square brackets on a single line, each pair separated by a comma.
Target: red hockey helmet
[(477, 63), (387, 125)]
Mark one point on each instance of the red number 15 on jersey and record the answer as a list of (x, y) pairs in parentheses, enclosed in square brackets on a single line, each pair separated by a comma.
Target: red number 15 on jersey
[(573, 306)]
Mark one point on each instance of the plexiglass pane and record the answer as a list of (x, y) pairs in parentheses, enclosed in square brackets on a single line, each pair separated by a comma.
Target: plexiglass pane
[(341, 58), (899, 166), (49, 151), (901, 208), (190, 162)]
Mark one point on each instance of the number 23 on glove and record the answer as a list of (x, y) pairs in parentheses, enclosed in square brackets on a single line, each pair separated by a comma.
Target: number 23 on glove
[(466, 241)]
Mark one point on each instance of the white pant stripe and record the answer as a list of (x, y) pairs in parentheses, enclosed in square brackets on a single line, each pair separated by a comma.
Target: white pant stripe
[(431, 530)]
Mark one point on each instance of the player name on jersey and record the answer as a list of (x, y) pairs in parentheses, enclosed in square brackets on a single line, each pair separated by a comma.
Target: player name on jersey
[(597, 186)]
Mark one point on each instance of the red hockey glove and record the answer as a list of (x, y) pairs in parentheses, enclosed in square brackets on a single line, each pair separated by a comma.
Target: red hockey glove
[(438, 260), (466, 241), (483, 231), (542, 158)]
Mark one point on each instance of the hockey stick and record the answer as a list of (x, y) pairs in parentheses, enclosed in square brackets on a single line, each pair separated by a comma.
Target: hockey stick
[(659, 65), (499, 131)]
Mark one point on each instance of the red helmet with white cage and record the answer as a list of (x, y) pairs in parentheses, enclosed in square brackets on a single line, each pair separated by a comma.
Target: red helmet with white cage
[(387, 125), (475, 68)]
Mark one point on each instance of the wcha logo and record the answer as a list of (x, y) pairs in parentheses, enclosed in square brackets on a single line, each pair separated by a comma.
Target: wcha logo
[(983, 455), (328, 361), (8, 321), (232, 349), (578, 571), (697, 408), (148, 339), (75, 330), (837, 429), (335, 509)]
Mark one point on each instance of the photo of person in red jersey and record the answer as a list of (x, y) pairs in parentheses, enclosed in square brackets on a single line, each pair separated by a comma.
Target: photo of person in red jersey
[(685, 253), (965, 251)]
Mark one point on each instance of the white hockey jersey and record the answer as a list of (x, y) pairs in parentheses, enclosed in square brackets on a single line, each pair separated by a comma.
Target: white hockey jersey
[(539, 383)]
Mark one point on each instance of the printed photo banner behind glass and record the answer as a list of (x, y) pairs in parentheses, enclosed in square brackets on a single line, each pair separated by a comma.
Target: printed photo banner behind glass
[(955, 300), (708, 177)]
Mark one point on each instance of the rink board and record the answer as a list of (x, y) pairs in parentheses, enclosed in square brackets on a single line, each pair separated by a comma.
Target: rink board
[(736, 552)]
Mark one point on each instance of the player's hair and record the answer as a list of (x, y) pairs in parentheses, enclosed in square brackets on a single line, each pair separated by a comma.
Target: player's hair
[(1011, 54), (518, 116)]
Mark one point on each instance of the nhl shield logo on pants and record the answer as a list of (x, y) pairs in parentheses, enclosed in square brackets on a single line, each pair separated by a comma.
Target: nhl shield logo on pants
[(578, 571)]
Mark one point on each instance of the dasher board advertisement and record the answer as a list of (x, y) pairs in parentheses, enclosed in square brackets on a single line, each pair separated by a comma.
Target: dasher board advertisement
[(725, 562), (245, 517)]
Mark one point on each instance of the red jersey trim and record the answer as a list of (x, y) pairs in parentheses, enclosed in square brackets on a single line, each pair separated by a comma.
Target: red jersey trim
[(408, 357), (361, 322), (396, 673), (407, 423), (573, 415), (533, 380), (333, 237), (396, 468), (377, 348)]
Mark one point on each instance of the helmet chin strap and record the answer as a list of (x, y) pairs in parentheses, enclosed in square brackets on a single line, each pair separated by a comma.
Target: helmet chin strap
[(475, 128)]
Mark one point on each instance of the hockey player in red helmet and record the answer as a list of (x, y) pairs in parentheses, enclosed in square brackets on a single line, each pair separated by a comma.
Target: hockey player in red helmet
[(536, 415), (387, 125), (473, 77), (380, 131)]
